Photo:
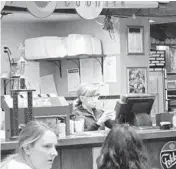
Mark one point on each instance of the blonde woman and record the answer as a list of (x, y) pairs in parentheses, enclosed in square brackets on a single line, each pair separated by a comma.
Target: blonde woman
[(85, 105), (35, 149)]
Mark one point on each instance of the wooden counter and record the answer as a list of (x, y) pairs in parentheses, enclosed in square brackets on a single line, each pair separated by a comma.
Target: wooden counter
[(81, 150), (97, 137)]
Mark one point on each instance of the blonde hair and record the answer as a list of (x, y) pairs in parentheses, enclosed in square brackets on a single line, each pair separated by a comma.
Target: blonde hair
[(85, 90), (32, 132)]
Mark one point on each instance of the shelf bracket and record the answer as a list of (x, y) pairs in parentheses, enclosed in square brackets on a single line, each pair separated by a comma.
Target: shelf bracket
[(77, 63), (59, 66), (100, 62)]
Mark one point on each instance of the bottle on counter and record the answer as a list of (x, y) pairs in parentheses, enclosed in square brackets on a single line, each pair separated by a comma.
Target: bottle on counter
[(61, 128), (72, 123)]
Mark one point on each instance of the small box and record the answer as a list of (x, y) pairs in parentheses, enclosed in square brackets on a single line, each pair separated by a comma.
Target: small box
[(163, 117)]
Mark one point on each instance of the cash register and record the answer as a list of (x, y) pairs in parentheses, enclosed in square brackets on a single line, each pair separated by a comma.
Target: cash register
[(135, 109)]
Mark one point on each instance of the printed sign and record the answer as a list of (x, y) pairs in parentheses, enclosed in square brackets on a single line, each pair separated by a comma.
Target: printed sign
[(168, 155), (107, 4)]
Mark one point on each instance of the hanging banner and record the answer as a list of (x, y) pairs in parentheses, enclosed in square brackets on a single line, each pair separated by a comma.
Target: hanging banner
[(107, 4)]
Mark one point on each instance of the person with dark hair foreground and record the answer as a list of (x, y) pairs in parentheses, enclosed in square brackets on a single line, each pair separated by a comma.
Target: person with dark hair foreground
[(123, 149), (35, 149)]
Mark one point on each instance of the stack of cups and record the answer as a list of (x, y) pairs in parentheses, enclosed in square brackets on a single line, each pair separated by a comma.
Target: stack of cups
[(72, 124), (61, 129), (79, 123)]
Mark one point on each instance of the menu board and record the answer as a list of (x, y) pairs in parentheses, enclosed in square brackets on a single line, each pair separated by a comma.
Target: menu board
[(157, 59)]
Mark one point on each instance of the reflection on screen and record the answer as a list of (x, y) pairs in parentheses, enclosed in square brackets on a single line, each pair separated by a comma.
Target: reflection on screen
[(140, 107)]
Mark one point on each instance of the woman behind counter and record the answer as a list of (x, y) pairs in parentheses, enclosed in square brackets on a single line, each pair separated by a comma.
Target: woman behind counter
[(85, 106), (35, 150)]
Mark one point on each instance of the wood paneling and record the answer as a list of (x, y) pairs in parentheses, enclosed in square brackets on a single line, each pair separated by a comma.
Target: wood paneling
[(74, 158)]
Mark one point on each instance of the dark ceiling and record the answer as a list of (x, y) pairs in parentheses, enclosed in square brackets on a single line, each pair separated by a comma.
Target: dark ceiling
[(163, 31)]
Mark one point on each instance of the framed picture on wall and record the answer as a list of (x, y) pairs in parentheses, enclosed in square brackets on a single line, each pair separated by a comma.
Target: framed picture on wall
[(135, 39), (137, 79)]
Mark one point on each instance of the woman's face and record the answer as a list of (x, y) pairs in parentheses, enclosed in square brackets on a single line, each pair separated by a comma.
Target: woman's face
[(90, 101), (42, 154)]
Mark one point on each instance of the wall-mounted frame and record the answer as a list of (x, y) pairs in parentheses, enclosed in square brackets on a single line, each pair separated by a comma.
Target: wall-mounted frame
[(135, 40), (137, 79)]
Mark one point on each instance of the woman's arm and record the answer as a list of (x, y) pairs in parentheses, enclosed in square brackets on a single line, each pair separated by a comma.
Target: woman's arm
[(106, 118), (94, 126)]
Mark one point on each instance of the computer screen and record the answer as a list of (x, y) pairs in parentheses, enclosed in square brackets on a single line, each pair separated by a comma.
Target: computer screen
[(134, 109)]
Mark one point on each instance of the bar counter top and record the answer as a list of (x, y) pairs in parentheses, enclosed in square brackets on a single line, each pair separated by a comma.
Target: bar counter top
[(97, 137)]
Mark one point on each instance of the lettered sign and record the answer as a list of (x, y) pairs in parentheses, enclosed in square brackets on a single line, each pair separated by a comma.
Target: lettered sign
[(89, 9), (168, 155)]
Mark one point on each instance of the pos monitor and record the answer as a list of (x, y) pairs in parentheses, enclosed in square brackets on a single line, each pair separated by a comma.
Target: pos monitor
[(135, 109)]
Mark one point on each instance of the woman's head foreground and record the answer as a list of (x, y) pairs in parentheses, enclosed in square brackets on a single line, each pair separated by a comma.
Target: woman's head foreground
[(122, 149), (36, 146)]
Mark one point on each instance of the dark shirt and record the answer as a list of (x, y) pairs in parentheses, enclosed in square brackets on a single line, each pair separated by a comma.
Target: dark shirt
[(91, 119)]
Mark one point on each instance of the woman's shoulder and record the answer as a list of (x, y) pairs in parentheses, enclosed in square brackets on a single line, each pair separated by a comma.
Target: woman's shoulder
[(78, 111), (12, 164)]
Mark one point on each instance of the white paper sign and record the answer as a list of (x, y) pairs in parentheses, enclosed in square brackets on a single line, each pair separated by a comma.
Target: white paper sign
[(73, 79), (110, 74), (135, 40), (48, 85), (104, 89), (90, 71)]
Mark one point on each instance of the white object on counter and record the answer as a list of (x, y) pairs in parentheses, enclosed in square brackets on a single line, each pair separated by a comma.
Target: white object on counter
[(174, 120), (2, 120), (62, 129), (72, 126), (2, 134), (79, 124)]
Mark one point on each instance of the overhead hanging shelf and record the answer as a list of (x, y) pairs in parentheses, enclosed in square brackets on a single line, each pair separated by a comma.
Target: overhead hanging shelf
[(55, 49), (81, 56), (75, 59)]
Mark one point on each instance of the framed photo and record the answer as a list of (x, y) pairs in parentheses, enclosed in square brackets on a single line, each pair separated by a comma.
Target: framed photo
[(135, 39), (137, 79)]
